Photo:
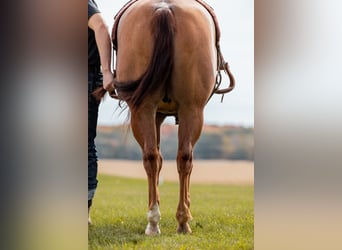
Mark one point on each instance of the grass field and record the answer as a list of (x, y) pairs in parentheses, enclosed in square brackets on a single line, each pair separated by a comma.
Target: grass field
[(223, 216)]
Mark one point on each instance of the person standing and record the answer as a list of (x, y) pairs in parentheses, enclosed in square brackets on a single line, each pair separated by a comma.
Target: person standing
[(99, 74)]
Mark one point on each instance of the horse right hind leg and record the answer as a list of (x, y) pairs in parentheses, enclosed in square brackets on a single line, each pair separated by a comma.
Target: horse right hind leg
[(190, 127)]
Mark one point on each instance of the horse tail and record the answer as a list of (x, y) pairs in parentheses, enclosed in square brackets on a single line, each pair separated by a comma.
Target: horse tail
[(157, 75), (99, 93)]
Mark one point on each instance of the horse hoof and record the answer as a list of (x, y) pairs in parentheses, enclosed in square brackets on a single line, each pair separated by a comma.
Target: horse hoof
[(184, 229), (152, 230)]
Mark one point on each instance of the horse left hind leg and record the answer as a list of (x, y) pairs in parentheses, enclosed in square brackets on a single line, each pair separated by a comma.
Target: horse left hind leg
[(144, 130)]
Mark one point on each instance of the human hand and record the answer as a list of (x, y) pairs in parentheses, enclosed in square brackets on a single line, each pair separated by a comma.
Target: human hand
[(108, 78)]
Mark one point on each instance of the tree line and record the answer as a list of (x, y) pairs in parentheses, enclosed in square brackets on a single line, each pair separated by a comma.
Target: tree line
[(216, 142)]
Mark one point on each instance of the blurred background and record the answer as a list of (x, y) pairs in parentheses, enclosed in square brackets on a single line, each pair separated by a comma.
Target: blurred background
[(298, 56)]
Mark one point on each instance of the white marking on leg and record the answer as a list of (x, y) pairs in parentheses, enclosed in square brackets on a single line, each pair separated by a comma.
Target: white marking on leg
[(153, 217)]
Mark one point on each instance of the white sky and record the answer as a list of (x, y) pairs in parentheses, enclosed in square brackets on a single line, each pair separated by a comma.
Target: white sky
[(236, 20)]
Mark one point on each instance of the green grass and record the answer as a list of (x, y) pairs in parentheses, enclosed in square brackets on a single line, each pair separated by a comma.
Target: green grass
[(223, 216)]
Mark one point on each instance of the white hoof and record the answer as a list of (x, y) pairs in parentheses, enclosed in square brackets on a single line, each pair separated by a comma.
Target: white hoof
[(152, 230), (153, 217)]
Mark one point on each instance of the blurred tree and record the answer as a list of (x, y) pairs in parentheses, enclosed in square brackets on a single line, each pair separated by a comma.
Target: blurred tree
[(216, 142)]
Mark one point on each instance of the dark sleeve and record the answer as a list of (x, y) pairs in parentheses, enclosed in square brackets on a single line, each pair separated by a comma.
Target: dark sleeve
[(92, 8)]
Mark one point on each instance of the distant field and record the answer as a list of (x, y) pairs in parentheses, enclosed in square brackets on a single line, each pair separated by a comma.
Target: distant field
[(204, 171), (223, 216)]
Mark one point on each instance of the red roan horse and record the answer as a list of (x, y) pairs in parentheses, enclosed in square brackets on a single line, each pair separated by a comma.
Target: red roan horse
[(167, 63)]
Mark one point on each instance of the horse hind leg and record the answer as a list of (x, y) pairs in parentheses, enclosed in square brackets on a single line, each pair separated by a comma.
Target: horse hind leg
[(190, 128), (183, 214), (152, 164), (153, 215), (144, 132)]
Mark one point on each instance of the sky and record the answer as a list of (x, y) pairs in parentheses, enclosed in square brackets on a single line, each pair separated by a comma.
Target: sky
[(236, 21)]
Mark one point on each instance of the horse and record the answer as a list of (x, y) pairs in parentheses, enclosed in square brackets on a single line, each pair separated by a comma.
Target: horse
[(167, 65)]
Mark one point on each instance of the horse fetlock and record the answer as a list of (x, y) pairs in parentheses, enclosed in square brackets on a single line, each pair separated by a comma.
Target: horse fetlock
[(183, 216), (184, 228), (153, 215)]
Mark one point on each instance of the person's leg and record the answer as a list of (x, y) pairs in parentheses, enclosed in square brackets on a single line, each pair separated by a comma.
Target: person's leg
[(93, 105)]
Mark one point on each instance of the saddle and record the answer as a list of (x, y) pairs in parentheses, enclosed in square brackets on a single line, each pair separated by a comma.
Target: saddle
[(221, 63)]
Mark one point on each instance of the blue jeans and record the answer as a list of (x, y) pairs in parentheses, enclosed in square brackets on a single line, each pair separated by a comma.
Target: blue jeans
[(94, 81)]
